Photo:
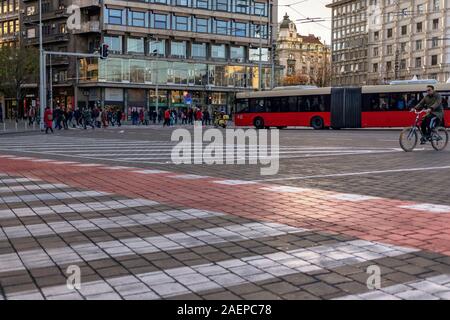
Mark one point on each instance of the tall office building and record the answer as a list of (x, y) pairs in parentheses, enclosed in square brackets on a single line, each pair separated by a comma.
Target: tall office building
[(349, 42), (162, 53)]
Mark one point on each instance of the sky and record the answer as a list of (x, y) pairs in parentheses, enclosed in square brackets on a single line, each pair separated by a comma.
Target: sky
[(310, 9)]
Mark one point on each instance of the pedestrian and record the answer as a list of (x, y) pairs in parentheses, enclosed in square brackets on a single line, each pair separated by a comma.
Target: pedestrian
[(104, 115), (77, 116), (1, 114), (141, 116), (87, 119), (64, 120), (198, 117), (31, 116), (147, 117), (110, 117), (48, 120), (119, 118), (166, 118)]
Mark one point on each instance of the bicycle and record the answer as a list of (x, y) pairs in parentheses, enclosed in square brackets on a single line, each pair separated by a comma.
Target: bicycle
[(410, 136)]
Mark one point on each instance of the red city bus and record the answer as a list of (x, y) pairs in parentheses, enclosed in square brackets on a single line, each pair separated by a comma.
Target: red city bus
[(319, 108)]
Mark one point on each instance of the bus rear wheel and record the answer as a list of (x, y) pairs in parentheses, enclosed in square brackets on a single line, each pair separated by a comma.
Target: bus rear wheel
[(258, 123), (317, 123)]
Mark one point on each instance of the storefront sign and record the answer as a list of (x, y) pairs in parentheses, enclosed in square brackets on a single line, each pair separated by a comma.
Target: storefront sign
[(113, 94)]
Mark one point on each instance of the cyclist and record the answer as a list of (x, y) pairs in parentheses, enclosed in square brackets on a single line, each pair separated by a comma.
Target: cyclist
[(432, 102)]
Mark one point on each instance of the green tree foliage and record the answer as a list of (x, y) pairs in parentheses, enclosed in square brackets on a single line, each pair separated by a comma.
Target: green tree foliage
[(18, 66)]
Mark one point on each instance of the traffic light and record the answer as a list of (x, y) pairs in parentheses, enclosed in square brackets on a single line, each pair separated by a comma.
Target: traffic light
[(104, 48)]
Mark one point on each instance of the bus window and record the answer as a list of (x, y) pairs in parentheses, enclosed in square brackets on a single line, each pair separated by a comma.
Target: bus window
[(289, 104), (257, 105), (315, 104), (445, 102), (273, 104), (242, 106)]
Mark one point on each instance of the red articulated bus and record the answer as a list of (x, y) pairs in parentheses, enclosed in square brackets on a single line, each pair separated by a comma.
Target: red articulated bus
[(320, 108)]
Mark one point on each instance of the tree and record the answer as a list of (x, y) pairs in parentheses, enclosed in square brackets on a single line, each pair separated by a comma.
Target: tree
[(296, 79), (18, 66)]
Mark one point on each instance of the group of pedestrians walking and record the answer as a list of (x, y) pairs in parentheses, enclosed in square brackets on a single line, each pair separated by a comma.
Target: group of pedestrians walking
[(81, 118)]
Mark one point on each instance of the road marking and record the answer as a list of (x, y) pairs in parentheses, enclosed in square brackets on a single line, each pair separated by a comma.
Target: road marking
[(189, 177), (29, 259), (150, 171), (146, 219), (52, 196), (17, 180), (354, 174), (75, 207), (286, 189), (234, 182), (434, 208), (32, 187), (351, 197), (432, 288), (224, 274)]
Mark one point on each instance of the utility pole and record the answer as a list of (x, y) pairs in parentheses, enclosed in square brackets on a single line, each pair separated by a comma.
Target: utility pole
[(42, 71), (260, 53)]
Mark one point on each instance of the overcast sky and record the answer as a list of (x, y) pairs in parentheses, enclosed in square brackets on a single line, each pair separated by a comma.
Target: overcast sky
[(310, 9)]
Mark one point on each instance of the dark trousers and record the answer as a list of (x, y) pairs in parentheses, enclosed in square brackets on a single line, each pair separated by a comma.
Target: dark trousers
[(428, 123), (48, 128)]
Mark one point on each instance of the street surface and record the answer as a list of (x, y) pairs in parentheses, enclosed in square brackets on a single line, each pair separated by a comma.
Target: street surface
[(139, 227)]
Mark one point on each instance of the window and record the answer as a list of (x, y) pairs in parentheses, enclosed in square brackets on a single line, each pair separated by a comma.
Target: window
[(137, 19), (178, 49), (181, 23), (254, 54), (201, 25), (240, 29), (434, 42), (260, 9), (403, 47), (376, 35), (31, 10), (389, 49), (218, 51), (389, 33), (419, 27), (135, 45), (418, 44), (404, 30), (31, 33), (241, 6), (160, 21), (202, 4), (403, 64), (435, 24), (221, 27), (375, 52), (198, 50), (434, 60), (157, 48), (114, 16), (418, 62), (114, 43), (183, 3), (237, 53), (222, 5), (389, 66)]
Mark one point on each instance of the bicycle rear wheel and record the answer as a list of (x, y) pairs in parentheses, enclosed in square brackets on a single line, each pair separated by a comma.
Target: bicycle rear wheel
[(408, 139), (439, 139)]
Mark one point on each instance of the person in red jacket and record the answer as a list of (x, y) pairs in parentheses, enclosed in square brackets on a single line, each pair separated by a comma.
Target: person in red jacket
[(48, 120), (166, 118), (198, 117)]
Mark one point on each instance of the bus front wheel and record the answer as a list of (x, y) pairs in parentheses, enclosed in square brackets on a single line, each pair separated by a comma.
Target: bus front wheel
[(258, 123), (317, 123)]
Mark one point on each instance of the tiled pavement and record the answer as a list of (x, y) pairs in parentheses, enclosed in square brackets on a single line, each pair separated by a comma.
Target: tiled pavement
[(152, 234)]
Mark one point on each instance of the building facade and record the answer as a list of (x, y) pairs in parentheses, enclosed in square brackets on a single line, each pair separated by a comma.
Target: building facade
[(409, 38), (350, 41), (305, 59), (162, 53), (9, 36)]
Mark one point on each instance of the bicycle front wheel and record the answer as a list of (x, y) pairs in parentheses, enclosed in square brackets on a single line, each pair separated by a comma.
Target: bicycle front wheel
[(439, 139), (408, 139)]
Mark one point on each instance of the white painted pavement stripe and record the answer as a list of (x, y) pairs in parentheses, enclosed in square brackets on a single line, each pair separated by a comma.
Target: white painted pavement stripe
[(234, 182), (31, 187), (189, 177), (52, 228), (150, 171), (428, 207), (16, 180), (117, 248), (431, 288), (52, 196), (76, 207), (118, 168), (224, 274), (42, 160), (88, 165), (286, 189), (351, 197), (354, 174)]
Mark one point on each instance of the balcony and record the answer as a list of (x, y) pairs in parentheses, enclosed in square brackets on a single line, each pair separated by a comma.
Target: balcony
[(86, 3), (49, 38), (50, 15), (88, 27)]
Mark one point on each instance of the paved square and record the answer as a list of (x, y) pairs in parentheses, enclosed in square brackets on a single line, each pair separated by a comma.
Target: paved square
[(112, 204)]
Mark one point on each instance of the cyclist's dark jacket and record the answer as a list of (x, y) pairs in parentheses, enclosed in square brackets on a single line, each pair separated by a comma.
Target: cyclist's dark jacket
[(434, 103)]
